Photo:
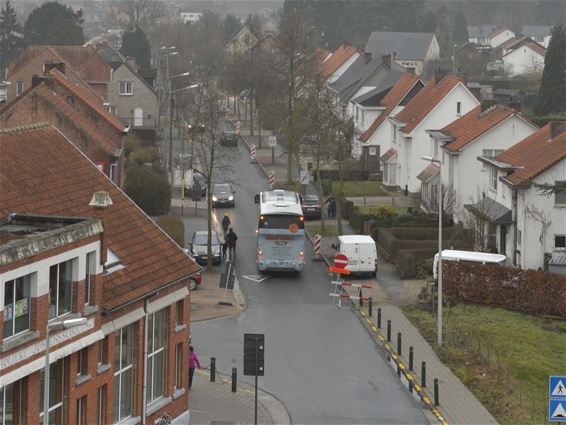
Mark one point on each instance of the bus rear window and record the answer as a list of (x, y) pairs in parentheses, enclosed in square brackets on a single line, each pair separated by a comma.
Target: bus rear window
[(280, 221)]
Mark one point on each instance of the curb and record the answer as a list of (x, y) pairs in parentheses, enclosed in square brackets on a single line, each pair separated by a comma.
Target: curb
[(276, 409), (407, 378), (238, 294), (245, 140)]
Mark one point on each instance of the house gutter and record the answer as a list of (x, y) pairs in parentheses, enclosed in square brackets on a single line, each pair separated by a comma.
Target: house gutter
[(144, 382), (514, 198)]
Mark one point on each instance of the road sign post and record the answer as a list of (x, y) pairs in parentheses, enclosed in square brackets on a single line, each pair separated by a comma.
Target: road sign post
[(272, 142), (254, 349), (557, 398)]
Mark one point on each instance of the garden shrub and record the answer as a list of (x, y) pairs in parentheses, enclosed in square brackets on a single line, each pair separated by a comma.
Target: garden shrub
[(174, 227)]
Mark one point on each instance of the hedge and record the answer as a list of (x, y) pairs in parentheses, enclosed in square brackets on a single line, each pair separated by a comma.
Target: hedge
[(174, 227), (149, 189), (389, 240), (527, 291), (348, 174), (407, 260)]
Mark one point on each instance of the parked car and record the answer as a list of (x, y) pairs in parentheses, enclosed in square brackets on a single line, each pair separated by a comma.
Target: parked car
[(223, 195), (361, 252), (229, 136), (201, 182), (199, 247), (311, 206), (196, 279)]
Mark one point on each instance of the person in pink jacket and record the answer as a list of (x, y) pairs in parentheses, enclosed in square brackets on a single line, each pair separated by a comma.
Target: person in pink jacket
[(193, 362)]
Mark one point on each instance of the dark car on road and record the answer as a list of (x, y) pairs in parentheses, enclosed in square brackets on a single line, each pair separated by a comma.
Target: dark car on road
[(223, 195), (311, 206), (229, 136), (199, 247)]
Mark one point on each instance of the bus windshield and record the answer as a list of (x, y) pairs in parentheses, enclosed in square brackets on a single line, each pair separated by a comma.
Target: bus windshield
[(280, 221)]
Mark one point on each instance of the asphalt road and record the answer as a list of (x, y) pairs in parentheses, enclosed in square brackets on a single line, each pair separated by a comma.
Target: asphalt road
[(320, 361)]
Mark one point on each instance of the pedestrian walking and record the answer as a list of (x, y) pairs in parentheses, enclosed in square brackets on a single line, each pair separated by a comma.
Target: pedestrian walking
[(225, 223), (193, 362), (224, 249), (333, 208), (328, 203), (231, 238)]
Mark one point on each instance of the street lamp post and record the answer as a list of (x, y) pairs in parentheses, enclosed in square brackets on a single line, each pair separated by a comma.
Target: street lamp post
[(62, 324), (439, 286)]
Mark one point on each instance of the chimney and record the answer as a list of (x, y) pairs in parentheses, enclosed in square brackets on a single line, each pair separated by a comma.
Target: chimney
[(387, 60), (557, 128), (60, 66), (367, 57), (132, 63), (487, 105), (439, 75), (100, 202), (36, 80)]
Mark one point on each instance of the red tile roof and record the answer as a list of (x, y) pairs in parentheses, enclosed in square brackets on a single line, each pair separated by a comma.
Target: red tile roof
[(473, 124), (390, 101), (81, 93), (425, 100), (388, 155), (535, 154), (337, 59), (43, 173), (429, 172)]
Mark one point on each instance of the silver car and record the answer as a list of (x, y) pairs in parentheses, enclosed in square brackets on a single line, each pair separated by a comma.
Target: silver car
[(199, 247), (223, 195)]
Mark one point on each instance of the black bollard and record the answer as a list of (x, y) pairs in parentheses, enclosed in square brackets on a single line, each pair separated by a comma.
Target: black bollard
[(212, 369), (389, 331), (436, 396), (399, 344), (411, 354), (423, 374), (234, 379), (379, 318), (360, 295), (370, 307)]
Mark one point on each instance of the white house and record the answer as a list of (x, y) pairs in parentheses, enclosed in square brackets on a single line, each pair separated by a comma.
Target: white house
[(487, 131), (489, 35), (519, 219), (339, 61), (190, 17), (500, 36), (412, 50), (539, 33), (376, 138), (526, 57), (440, 102)]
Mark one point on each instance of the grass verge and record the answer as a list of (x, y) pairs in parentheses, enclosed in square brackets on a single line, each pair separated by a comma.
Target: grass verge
[(360, 188), (315, 229), (504, 357)]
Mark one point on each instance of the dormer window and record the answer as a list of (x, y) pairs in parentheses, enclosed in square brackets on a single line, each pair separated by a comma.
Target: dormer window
[(113, 263)]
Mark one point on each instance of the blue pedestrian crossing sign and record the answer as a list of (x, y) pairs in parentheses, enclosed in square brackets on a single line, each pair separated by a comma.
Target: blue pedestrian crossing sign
[(556, 410), (557, 387)]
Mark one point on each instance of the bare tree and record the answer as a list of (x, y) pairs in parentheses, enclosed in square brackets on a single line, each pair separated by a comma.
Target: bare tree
[(131, 14)]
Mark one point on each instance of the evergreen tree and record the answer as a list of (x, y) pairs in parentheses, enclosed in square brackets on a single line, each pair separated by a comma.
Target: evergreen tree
[(135, 45), (552, 93), (10, 34), (460, 28), (53, 23)]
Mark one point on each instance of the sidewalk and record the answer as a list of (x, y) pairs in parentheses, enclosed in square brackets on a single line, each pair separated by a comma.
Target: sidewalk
[(457, 403), (215, 403)]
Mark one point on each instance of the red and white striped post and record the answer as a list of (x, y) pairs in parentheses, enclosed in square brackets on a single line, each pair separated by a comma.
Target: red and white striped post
[(316, 243), (237, 127), (271, 179), (252, 153)]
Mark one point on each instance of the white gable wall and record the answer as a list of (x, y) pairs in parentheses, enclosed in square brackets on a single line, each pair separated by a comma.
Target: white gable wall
[(501, 38), (523, 60)]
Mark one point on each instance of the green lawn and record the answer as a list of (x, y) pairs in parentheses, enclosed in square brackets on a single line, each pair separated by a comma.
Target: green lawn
[(527, 349), (366, 209), (329, 230), (360, 188)]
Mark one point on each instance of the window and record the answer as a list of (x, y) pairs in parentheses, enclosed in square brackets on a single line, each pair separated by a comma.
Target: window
[(101, 416), (60, 288), (89, 278), (81, 411), (11, 403), (155, 355), (56, 392), (82, 362), (357, 113), (560, 196), (19, 88), (179, 366), (560, 241), (126, 88), (179, 316), (363, 117), (493, 178), (519, 237), (123, 374), (102, 352), (394, 130), (458, 108), (491, 153), (16, 306), (372, 151)]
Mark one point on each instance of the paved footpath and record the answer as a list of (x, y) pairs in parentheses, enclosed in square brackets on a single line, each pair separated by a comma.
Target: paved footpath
[(215, 403)]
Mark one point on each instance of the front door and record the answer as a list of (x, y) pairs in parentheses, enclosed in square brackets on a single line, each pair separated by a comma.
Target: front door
[(138, 117)]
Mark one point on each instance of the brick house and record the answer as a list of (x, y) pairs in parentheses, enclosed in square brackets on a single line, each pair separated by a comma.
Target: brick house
[(83, 64), (55, 98), (78, 247)]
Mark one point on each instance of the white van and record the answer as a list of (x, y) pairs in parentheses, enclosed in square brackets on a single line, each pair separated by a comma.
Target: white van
[(361, 253), (470, 256)]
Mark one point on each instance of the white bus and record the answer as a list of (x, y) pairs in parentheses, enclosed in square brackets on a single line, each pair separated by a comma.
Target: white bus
[(281, 232)]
